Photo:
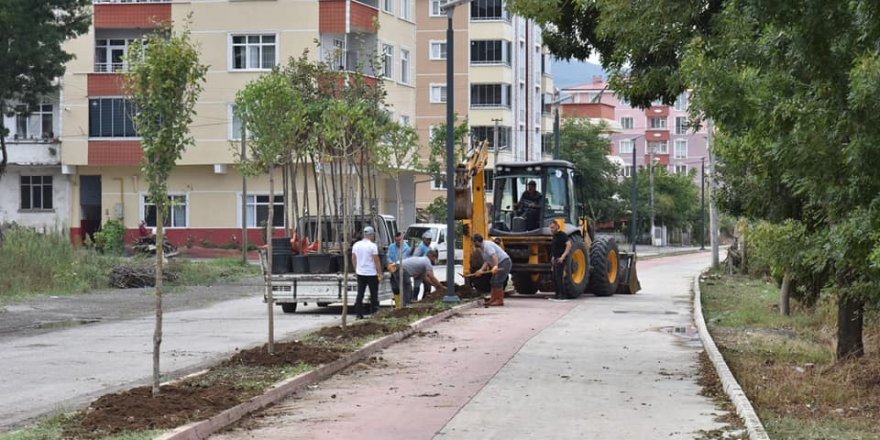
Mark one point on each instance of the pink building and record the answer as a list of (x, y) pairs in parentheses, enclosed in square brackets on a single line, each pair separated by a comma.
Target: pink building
[(660, 130)]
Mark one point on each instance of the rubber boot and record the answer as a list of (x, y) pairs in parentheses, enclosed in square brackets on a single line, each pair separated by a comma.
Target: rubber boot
[(497, 298)]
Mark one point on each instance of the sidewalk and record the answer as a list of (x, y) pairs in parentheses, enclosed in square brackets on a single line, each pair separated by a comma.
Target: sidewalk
[(591, 368)]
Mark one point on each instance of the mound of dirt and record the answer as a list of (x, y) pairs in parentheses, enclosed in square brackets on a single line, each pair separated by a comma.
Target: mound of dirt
[(463, 292), (286, 353), (407, 312), (354, 331)]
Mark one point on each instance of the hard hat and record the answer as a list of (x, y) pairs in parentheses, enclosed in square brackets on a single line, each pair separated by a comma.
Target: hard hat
[(369, 231)]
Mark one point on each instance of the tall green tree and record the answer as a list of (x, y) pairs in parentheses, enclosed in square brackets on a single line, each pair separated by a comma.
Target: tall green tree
[(436, 164), (587, 146), (31, 53), (164, 82)]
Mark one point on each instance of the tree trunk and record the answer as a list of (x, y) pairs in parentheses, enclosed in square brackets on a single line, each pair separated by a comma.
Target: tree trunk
[(850, 320), (4, 156), (306, 209), (785, 297), (285, 194), (294, 198), (161, 209), (399, 248), (270, 301), (345, 247)]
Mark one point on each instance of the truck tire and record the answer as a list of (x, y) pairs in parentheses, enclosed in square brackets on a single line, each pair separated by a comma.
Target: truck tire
[(288, 307), (571, 278), (523, 284), (605, 268)]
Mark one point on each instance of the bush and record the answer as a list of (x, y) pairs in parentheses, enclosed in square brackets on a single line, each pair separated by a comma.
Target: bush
[(111, 238)]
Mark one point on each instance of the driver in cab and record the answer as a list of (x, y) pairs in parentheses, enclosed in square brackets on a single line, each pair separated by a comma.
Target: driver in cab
[(530, 203)]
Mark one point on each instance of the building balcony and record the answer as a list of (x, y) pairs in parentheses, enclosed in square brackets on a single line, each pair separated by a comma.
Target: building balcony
[(343, 16), (33, 151), (105, 84), (588, 110), (132, 14), (115, 152), (657, 135), (661, 111)]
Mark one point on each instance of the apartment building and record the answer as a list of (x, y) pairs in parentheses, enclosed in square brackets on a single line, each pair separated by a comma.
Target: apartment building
[(502, 75), (660, 132), (239, 40)]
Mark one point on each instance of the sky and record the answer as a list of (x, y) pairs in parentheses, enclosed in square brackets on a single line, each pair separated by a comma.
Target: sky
[(573, 73)]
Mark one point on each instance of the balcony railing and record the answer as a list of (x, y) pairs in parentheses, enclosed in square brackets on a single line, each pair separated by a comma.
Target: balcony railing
[(111, 67)]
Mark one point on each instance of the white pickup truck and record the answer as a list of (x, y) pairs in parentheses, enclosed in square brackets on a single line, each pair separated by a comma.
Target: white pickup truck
[(416, 231), (324, 289)]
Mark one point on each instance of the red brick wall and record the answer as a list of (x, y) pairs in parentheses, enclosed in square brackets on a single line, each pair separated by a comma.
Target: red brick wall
[(657, 135), (591, 110), (363, 18), (114, 152), (331, 16), (657, 112), (105, 84), (131, 15)]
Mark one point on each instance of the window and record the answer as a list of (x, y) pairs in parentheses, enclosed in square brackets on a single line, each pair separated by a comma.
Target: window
[(439, 182), (626, 122), (435, 8), (388, 60), (681, 169), (235, 125), (626, 170), (177, 210), (681, 125), (490, 95), (36, 193), (388, 6), (626, 146), (681, 149), (490, 180), (490, 52), (258, 211), (657, 122), (253, 52), (111, 117), (405, 120), (404, 67), (487, 132), (35, 123), (338, 55), (438, 50), (406, 9), (110, 54), (488, 10), (658, 147), (438, 93), (681, 103)]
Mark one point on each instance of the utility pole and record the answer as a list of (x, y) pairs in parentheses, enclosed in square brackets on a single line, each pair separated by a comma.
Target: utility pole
[(651, 176), (495, 145), (713, 208), (635, 195), (702, 203), (244, 237)]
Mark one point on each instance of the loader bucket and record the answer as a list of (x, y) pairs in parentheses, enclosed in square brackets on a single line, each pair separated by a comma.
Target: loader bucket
[(628, 281)]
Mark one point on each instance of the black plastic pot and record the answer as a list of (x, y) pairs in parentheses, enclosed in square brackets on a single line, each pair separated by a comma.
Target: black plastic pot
[(340, 263), (299, 264), (321, 263), (281, 261), (281, 243)]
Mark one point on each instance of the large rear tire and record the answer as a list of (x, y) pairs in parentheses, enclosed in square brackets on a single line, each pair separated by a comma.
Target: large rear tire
[(288, 307), (605, 268), (572, 277), (523, 284)]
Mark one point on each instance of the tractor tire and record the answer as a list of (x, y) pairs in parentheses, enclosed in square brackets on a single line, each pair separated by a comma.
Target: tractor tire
[(288, 307), (605, 270), (523, 284), (572, 278)]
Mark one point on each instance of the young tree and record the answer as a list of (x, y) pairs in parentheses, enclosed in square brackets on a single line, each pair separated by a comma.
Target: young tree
[(436, 164), (586, 146), (164, 82), (32, 57)]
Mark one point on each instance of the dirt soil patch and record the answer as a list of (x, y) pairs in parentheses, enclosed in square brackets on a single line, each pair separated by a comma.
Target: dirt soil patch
[(463, 292), (286, 353), (712, 388), (409, 312), (356, 331)]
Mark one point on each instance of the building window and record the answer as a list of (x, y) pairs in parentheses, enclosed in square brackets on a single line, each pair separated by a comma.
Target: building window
[(626, 146), (405, 120), (439, 182), (657, 123), (36, 193), (489, 10), (626, 170), (487, 132), (36, 123), (388, 6), (110, 54), (681, 103), (626, 122), (681, 149), (490, 95), (438, 50), (490, 180), (406, 9), (111, 117), (438, 93), (388, 59), (435, 8), (404, 67), (258, 211), (253, 52), (681, 169), (658, 147), (490, 52), (177, 209), (681, 125)]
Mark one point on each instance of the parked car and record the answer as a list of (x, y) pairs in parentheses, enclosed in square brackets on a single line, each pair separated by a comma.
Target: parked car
[(437, 231)]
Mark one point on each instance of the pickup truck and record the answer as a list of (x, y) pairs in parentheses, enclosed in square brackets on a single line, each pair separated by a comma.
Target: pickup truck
[(437, 231), (324, 289)]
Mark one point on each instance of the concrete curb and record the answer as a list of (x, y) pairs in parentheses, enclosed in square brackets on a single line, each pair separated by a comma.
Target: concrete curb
[(202, 429), (670, 254), (736, 394)]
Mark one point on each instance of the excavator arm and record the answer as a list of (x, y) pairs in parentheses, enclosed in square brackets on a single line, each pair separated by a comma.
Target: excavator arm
[(470, 200)]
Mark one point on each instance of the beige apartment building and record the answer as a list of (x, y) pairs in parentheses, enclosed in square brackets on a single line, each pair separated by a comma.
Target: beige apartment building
[(239, 40), (502, 75)]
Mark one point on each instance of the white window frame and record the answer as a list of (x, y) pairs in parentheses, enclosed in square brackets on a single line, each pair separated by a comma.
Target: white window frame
[(231, 48), (406, 10), (681, 168), (434, 8), (233, 134), (441, 95), (442, 52), (387, 61), (440, 184), (624, 125), (662, 147), (676, 150), (626, 170), (252, 206), (682, 102), (405, 66), (629, 144), (405, 120), (142, 203), (109, 66), (388, 6), (657, 122)]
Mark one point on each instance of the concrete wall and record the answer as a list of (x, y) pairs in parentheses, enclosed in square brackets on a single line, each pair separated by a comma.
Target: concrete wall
[(10, 199)]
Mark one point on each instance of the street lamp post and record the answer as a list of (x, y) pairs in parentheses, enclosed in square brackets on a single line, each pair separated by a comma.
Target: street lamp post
[(635, 195), (449, 9), (702, 203), (556, 126), (651, 177)]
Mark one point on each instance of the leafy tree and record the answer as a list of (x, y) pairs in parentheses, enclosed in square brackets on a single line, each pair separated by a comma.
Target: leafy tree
[(586, 146), (676, 199), (164, 82), (31, 58), (436, 165)]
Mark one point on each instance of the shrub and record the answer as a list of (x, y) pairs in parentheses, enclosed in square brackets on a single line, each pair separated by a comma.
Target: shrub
[(111, 238)]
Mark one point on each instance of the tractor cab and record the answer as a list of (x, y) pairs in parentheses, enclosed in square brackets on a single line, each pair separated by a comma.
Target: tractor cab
[(529, 195)]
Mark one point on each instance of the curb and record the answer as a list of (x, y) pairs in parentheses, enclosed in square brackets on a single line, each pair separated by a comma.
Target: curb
[(204, 428), (736, 394), (670, 254)]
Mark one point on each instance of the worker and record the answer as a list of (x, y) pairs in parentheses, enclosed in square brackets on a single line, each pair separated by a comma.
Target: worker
[(397, 251), (530, 204), (421, 269), (421, 251), (498, 262), (560, 249), (368, 267)]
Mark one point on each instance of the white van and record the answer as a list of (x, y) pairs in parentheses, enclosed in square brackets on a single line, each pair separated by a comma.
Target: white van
[(437, 231)]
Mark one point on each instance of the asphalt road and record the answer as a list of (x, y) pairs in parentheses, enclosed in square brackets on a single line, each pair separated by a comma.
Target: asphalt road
[(623, 367)]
